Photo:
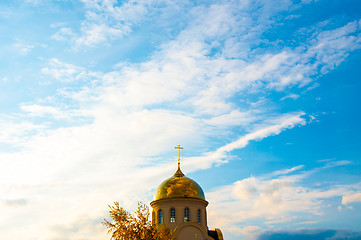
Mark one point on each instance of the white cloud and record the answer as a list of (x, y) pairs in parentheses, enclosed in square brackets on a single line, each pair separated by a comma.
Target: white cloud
[(278, 124), (16, 132), (65, 33), (108, 20), (234, 118), (248, 230), (347, 199), (66, 72), (292, 96), (220, 155), (36, 110), (337, 163), (246, 189), (81, 228), (94, 34), (271, 199), (287, 171), (23, 48)]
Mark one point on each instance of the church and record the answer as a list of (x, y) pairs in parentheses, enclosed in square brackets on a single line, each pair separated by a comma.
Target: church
[(180, 204)]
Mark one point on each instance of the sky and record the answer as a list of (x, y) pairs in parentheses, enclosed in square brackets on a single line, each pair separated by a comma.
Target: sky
[(263, 95)]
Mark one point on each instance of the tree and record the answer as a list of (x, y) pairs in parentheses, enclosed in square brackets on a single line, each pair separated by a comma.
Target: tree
[(136, 226)]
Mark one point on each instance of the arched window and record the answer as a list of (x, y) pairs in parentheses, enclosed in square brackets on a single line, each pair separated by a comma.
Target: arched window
[(160, 216), (186, 215), (172, 215), (198, 216), (153, 217)]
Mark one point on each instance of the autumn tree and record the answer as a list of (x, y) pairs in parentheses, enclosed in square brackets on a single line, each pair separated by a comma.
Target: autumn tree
[(126, 226)]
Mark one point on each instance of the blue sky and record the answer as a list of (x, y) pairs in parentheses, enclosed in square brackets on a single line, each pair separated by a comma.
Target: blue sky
[(263, 96)]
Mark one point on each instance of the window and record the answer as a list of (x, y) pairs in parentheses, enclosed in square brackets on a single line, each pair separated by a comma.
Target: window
[(172, 215), (160, 216), (198, 216), (153, 217), (186, 215)]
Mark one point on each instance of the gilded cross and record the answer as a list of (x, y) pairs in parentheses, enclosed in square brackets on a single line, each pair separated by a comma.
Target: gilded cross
[(179, 148)]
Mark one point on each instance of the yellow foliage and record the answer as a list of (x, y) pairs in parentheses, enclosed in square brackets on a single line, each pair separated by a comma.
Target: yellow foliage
[(136, 226)]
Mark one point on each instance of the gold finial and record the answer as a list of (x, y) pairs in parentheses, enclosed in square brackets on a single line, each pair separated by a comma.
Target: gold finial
[(179, 148)]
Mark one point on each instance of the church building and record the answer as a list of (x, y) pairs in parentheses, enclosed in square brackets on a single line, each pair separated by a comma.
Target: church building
[(180, 204)]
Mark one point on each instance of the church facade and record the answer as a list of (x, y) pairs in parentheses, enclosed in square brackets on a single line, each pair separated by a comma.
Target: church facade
[(180, 204)]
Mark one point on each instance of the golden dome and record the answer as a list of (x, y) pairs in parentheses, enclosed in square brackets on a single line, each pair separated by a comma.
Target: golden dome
[(179, 186)]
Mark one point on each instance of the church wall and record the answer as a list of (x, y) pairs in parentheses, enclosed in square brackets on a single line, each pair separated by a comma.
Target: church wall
[(190, 233)]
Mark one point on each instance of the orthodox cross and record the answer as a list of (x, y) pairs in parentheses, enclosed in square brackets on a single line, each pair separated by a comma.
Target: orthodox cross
[(179, 148)]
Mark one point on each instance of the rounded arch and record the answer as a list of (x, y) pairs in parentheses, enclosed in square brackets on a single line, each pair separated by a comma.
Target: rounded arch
[(191, 228)]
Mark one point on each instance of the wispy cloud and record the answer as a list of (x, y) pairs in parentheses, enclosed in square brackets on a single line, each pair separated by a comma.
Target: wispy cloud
[(64, 72), (106, 21), (63, 34), (220, 155), (292, 96), (234, 118), (23, 48), (287, 171), (94, 34)]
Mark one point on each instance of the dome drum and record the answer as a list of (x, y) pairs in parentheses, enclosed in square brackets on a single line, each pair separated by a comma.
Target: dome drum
[(179, 205)]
